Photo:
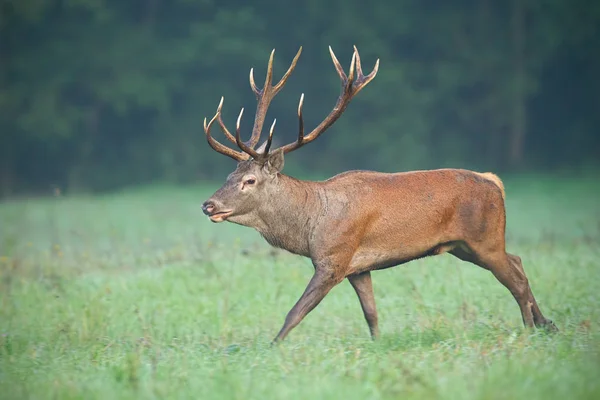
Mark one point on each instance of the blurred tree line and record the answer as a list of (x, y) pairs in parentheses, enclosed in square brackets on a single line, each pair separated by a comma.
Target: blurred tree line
[(96, 94)]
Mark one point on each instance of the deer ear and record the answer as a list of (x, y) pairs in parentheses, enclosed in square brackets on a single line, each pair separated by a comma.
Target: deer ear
[(261, 148), (275, 161)]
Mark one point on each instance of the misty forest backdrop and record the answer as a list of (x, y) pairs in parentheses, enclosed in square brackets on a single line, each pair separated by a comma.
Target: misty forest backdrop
[(99, 94)]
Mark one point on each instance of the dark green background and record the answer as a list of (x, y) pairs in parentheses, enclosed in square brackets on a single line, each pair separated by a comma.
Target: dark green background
[(98, 94)]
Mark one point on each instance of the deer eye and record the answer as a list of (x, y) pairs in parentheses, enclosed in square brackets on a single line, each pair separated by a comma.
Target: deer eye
[(250, 181)]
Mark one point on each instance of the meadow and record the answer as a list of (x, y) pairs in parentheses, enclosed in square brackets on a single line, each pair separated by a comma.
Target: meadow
[(137, 295)]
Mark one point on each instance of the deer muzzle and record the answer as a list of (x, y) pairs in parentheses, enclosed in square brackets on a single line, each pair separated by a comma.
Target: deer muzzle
[(211, 209)]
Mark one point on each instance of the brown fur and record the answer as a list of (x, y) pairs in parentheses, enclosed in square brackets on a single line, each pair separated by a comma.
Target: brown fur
[(360, 221), (494, 178)]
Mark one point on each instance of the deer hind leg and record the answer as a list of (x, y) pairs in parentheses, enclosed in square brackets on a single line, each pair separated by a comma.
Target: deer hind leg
[(508, 269), (538, 318), (363, 287)]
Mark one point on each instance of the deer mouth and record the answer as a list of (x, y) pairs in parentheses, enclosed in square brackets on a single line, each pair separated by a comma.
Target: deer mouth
[(220, 216)]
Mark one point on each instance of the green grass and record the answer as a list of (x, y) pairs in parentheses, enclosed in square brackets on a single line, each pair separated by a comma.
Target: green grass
[(138, 295)]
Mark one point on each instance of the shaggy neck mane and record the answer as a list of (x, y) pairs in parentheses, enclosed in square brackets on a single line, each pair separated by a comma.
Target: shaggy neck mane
[(288, 216)]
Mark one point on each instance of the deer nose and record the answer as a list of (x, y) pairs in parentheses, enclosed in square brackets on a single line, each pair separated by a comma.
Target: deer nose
[(208, 207)]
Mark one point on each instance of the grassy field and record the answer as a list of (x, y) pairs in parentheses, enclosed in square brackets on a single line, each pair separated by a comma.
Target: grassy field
[(138, 295)]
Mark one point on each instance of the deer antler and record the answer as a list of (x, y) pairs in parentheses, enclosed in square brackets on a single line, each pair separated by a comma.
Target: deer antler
[(350, 87), (236, 155), (264, 97), (267, 94)]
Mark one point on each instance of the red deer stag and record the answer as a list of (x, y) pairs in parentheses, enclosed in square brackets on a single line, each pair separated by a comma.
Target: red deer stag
[(360, 221)]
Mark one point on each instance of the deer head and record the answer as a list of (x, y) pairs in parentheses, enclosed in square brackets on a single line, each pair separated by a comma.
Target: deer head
[(256, 177)]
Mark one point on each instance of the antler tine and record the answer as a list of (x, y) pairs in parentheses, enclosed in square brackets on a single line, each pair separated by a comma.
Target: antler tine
[(250, 151), (267, 94), (255, 89), (285, 77), (358, 64), (361, 79), (351, 85), (270, 139), (236, 155), (338, 66), (352, 70), (268, 79), (300, 120), (224, 129), (269, 76)]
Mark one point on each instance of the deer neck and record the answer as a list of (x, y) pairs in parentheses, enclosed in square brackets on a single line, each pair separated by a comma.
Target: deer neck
[(289, 214)]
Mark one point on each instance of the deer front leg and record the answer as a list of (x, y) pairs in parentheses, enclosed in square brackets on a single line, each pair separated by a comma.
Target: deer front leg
[(364, 290), (319, 285)]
